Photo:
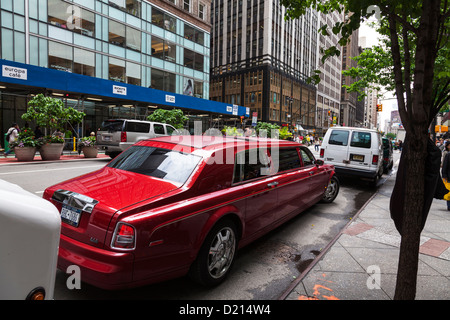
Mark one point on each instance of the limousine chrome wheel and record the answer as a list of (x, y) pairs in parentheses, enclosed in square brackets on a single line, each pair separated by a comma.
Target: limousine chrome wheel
[(216, 255), (332, 190), (221, 252)]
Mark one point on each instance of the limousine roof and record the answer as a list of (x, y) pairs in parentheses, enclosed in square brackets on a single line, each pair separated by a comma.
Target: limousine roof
[(219, 142)]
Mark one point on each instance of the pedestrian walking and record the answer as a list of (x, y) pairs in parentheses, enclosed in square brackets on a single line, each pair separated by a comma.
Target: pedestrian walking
[(12, 135), (316, 144), (446, 170)]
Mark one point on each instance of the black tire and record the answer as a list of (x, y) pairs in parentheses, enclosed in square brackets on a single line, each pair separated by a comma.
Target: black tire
[(216, 256), (332, 190)]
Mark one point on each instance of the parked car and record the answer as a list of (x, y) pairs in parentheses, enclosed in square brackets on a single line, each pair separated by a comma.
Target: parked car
[(356, 152), (388, 156), (29, 251), (172, 206), (116, 135)]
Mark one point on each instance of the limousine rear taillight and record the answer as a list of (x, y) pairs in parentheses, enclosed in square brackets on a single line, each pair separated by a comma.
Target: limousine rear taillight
[(124, 237), (322, 152), (123, 136)]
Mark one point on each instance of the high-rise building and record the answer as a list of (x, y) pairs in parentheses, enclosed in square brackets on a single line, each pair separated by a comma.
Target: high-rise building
[(262, 61), (110, 58), (329, 88), (349, 99)]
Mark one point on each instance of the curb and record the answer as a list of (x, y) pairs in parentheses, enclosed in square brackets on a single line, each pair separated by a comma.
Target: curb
[(319, 257)]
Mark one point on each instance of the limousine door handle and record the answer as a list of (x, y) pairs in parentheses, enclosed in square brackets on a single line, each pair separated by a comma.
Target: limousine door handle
[(272, 184)]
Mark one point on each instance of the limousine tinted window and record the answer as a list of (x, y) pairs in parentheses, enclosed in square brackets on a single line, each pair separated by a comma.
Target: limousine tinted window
[(250, 165), (288, 159)]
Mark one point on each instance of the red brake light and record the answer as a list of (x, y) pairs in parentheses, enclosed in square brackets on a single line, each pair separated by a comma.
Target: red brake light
[(124, 237), (123, 136), (322, 152), (375, 159)]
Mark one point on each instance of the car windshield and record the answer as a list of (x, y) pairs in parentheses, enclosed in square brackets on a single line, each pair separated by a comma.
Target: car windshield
[(160, 163)]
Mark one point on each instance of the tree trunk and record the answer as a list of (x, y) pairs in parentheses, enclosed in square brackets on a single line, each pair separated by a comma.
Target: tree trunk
[(411, 219), (418, 117)]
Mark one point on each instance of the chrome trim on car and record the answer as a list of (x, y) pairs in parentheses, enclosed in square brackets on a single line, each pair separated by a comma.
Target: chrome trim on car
[(74, 200)]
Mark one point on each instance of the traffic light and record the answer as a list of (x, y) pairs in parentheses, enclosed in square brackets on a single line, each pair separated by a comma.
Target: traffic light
[(379, 107)]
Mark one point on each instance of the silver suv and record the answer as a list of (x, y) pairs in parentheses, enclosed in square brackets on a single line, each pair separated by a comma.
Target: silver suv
[(116, 135)]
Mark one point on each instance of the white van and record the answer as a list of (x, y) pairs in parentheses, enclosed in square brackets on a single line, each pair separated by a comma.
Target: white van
[(354, 152), (116, 135)]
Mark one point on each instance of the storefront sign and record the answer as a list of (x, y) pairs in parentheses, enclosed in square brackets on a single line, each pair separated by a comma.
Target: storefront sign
[(235, 110), (120, 90), (170, 99), (14, 72)]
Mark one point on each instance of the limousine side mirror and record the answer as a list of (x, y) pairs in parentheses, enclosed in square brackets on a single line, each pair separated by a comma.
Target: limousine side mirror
[(319, 162)]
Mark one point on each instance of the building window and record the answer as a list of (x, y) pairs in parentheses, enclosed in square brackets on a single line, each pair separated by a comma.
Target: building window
[(60, 56), (132, 7), (116, 70), (193, 34), (123, 36), (163, 20), (198, 89), (133, 73), (84, 62), (162, 80), (187, 5), (193, 60), (71, 17), (201, 11), (116, 33), (164, 50), (133, 39)]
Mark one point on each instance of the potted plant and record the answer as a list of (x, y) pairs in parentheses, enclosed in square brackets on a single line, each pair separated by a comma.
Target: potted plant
[(25, 146), (50, 113), (87, 145)]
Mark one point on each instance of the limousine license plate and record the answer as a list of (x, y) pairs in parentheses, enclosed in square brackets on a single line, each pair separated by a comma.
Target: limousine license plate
[(357, 157), (70, 215)]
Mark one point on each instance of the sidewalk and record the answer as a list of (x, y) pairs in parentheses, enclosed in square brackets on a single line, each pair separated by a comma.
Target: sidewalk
[(362, 263), (66, 156)]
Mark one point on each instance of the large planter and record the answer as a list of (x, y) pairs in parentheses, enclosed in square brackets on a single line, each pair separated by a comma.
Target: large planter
[(24, 153), (90, 152), (51, 151)]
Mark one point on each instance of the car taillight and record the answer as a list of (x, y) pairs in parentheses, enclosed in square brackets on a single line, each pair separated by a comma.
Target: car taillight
[(375, 159), (322, 152), (123, 136), (124, 237)]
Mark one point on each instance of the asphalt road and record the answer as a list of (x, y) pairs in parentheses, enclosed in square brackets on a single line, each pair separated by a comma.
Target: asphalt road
[(263, 270)]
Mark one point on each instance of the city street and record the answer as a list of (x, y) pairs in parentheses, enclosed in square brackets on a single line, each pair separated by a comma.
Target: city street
[(263, 270)]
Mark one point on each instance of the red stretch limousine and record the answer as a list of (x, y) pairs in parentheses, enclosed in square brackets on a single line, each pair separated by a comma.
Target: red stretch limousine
[(180, 205)]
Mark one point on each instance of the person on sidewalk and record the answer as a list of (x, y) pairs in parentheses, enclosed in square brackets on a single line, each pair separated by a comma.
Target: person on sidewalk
[(13, 133), (446, 170)]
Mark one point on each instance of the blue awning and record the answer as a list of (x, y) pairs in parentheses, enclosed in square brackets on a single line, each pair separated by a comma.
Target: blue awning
[(33, 76)]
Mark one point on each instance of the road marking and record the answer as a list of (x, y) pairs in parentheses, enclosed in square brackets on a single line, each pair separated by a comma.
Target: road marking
[(45, 170)]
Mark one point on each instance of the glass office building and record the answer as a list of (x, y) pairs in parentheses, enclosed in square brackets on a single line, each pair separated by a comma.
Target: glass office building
[(110, 58)]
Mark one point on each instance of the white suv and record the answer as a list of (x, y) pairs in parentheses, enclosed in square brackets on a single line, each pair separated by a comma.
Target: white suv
[(354, 152), (116, 135)]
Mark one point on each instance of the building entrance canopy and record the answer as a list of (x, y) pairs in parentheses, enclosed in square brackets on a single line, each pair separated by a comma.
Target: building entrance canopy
[(50, 79)]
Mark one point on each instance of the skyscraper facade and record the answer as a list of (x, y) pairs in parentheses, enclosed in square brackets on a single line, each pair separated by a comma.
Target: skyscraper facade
[(329, 88), (109, 58), (261, 61)]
